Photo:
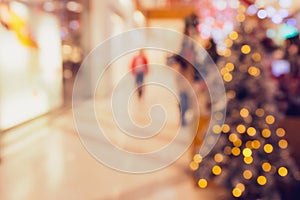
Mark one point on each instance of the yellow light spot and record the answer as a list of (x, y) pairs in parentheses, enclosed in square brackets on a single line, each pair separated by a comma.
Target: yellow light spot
[(246, 49), (261, 180), (241, 129), (255, 144), (282, 171), (268, 148), (251, 131), (227, 77), (249, 144), (219, 116), (197, 158), (202, 183), (283, 144), (235, 151), (241, 186), (247, 152), (233, 35), (266, 133), (280, 132), (227, 53), (226, 128), (227, 150), (229, 67), (218, 157), (241, 17), (254, 71), (244, 112), (236, 192), (248, 160), (242, 8), (217, 129), (228, 42), (266, 167), (224, 71), (256, 57), (237, 143), (216, 170), (219, 52), (194, 166), (231, 94), (270, 119), (232, 137), (247, 174), (260, 112)]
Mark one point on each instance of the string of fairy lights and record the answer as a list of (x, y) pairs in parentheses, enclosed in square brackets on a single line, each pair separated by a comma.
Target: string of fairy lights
[(252, 151)]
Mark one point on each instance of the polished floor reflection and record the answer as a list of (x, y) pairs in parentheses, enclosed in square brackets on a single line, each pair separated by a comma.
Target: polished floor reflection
[(45, 159)]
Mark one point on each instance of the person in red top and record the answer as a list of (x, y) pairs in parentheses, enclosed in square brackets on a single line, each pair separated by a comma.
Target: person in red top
[(139, 68)]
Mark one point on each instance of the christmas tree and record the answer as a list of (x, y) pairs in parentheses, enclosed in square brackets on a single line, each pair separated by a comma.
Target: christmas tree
[(251, 158)]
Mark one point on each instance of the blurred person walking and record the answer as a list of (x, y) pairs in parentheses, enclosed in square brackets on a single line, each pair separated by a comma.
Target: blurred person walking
[(139, 68), (184, 81)]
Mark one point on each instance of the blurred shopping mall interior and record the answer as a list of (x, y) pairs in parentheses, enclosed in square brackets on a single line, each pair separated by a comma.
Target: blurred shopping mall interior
[(149, 99)]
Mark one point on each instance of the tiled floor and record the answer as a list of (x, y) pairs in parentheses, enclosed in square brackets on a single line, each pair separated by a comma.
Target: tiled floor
[(45, 159)]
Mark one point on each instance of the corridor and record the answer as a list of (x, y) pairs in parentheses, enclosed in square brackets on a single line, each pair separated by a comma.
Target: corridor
[(56, 165)]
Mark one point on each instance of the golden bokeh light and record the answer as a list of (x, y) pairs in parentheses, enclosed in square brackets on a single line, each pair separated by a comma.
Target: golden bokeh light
[(268, 148), (231, 94), (233, 35), (227, 53), (217, 129), (236, 192), (242, 8), (229, 67), (248, 160), (227, 150), (266, 167), (240, 17), (216, 170), (238, 143), (226, 128), (202, 183), (270, 119), (228, 42), (261, 180), (249, 144), (256, 57), (260, 112), (247, 152), (251, 131), (266, 133), (227, 77), (194, 166), (244, 112), (218, 158), (224, 71), (219, 116), (241, 129), (254, 71), (255, 144), (283, 144), (280, 132), (241, 186), (246, 49), (282, 171), (247, 174), (233, 137), (197, 158), (235, 151)]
